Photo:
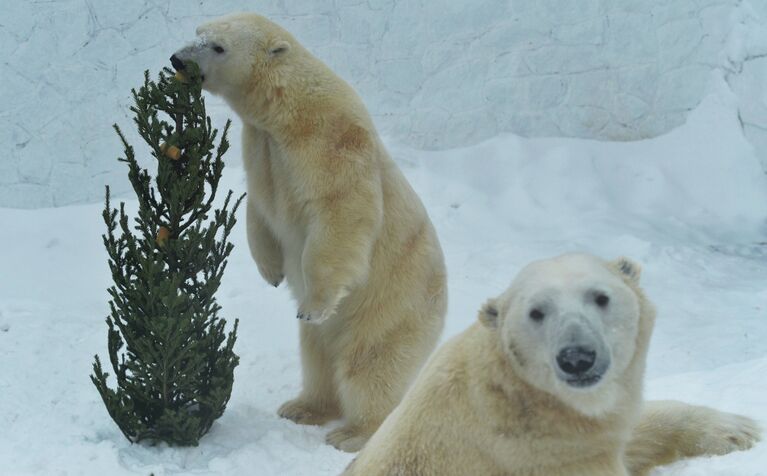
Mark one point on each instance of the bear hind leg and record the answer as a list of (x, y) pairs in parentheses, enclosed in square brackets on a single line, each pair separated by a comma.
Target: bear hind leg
[(365, 401), (318, 401), (372, 378)]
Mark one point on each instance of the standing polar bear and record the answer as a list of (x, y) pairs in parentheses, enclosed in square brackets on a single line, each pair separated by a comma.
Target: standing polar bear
[(329, 211), (548, 383)]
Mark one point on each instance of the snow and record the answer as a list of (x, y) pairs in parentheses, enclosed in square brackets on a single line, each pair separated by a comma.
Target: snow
[(689, 205), (435, 74), (473, 79)]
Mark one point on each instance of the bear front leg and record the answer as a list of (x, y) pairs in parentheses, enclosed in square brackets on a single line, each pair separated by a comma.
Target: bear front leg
[(337, 253), (669, 431), (264, 247)]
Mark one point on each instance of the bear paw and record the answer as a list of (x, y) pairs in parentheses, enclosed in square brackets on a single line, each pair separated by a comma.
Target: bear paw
[(317, 311), (728, 432), (272, 276), (306, 413), (348, 438), (316, 317)]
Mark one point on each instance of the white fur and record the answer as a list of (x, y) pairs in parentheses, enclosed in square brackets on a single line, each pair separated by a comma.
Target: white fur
[(329, 212), (565, 289), (491, 401)]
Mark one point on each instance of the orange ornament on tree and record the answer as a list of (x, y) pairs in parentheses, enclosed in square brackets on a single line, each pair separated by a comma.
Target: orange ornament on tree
[(162, 236), (172, 152)]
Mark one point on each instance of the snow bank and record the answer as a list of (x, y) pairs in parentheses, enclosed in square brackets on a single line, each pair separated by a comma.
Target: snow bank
[(689, 206), (434, 73)]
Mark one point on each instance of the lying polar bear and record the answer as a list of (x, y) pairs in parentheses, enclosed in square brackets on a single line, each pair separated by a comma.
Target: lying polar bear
[(548, 383)]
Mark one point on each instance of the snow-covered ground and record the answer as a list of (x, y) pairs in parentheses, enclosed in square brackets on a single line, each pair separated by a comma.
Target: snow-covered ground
[(690, 206)]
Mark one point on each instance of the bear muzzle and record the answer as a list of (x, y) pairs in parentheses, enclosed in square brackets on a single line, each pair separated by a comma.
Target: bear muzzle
[(582, 358), (576, 360), (178, 65)]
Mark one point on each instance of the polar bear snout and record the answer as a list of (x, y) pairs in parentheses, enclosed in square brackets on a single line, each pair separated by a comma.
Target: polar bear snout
[(581, 366), (177, 63), (581, 356), (181, 58), (576, 360)]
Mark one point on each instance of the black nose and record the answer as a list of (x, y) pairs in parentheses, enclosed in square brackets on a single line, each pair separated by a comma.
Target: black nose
[(576, 360), (177, 63)]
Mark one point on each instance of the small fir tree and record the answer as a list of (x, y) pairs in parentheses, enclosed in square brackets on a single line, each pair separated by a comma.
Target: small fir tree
[(173, 361)]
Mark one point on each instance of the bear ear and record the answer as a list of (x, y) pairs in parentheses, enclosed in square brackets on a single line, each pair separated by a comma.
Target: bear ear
[(488, 315), (278, 48), (627, 268)]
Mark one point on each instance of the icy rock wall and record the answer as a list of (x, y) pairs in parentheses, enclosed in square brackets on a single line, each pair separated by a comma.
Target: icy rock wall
[(434, 73)]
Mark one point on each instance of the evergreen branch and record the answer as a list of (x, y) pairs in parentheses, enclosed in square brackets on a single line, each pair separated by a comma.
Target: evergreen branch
[(172, 359)]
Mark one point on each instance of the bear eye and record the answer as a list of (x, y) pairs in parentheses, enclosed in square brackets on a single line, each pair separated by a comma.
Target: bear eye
[(537, 315), (218, 49), (602, 300)]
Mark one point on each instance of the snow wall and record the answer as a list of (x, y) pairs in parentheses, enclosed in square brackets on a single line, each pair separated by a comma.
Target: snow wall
[(434, 73)]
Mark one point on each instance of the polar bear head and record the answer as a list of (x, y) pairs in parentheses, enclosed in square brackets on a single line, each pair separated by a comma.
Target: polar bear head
[(576, 327), (238, 53)]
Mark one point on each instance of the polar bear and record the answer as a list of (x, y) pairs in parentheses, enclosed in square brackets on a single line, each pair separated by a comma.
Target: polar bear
[(548, 382), (329, 211)]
